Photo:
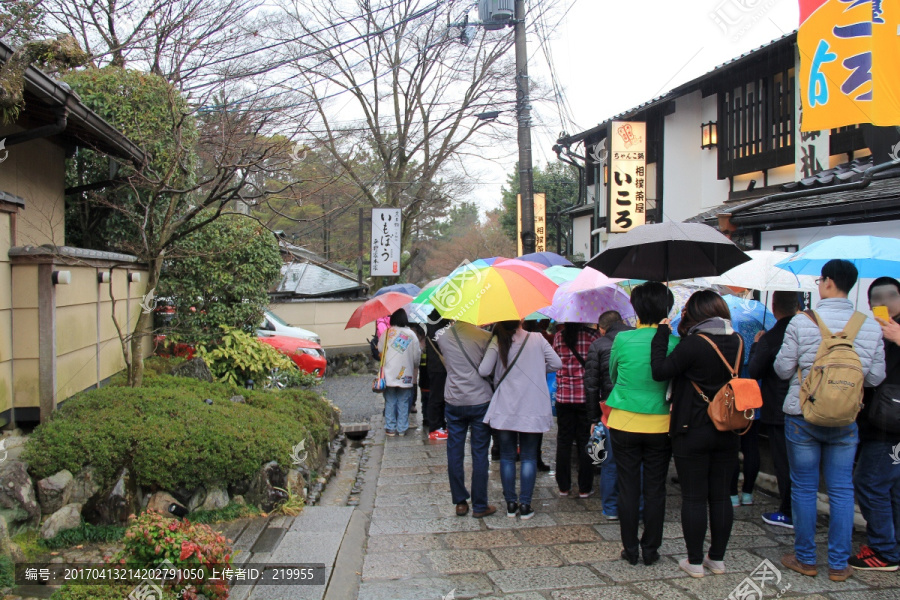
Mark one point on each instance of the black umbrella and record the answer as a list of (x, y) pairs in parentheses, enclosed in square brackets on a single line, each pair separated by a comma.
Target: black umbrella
[(668, 251)]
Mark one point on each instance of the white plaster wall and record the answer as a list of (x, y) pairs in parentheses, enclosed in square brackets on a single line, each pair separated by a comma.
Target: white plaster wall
[(781, 175), (650, 185), (713, 191), (690, 183), (682, 189), (581, 236)]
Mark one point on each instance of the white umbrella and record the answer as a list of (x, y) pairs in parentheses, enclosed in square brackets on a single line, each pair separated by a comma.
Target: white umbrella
[(760, 273)]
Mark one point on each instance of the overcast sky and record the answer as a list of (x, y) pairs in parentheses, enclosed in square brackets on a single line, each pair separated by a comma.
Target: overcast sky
[(611, 55)]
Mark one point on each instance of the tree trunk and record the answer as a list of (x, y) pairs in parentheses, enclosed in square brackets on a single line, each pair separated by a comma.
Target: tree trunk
[(143, 328)]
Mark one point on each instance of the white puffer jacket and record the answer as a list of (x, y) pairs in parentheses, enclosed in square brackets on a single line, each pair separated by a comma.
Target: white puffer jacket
[(802, 339)]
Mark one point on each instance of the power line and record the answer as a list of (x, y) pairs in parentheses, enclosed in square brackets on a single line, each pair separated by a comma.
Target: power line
[(362, 37), (299, 37), (361, 40)]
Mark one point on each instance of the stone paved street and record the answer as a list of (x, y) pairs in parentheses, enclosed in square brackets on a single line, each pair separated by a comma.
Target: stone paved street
[(353, 395), (418, 549)]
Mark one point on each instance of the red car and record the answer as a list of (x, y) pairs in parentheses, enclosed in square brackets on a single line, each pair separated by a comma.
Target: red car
[(308, 356)]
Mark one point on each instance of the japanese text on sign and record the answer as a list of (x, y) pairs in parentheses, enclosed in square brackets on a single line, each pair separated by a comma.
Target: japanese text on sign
[(540, 223), (811, 148), (386, 230), (627, 194), (848, 56)]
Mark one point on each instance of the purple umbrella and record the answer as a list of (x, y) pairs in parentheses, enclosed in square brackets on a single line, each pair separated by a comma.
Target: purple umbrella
[(548, 259), (585, 306)]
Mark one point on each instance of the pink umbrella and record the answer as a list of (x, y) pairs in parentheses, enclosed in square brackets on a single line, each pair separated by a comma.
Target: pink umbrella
[(589, 279), (572, 305)]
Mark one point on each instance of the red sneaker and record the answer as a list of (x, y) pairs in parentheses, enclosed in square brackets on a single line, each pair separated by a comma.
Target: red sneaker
[(438, 434)]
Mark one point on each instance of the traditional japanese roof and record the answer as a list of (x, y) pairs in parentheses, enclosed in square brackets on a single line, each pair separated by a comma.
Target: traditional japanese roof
[(843, 173), (710, 216), (309, 275), (46, 97), (579, 210), (799, 204), (309, 280), (876, 201)]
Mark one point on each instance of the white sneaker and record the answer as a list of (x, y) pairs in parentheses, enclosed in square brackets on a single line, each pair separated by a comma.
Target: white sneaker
[(692, 570), (716, 566)]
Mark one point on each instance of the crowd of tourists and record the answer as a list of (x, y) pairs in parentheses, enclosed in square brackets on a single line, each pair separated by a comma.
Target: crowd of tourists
[(650, 393)]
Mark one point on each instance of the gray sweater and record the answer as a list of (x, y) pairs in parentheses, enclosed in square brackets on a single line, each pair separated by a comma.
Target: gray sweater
[(802, 339), (522, 401), (464, 387)]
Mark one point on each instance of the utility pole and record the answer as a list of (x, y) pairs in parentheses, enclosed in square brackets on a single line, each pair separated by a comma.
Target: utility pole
[(523, 116), (359, 256)]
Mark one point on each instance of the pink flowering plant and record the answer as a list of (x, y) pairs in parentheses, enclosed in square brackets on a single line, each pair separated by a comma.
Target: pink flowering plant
[(153, 538)]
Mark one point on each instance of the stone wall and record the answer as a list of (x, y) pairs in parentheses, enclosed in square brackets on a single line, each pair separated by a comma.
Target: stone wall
[(356, 363)]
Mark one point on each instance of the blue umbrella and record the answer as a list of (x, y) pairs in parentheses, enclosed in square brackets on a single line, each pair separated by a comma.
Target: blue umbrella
[(748, 317), (404, 288), (419, 312), (549, 259), (873, 256)]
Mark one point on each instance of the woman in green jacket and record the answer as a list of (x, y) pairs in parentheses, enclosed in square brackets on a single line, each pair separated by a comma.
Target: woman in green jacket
[(639, 425)]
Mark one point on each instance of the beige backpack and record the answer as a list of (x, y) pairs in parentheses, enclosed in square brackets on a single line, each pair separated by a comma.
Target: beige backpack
[(831, 395)]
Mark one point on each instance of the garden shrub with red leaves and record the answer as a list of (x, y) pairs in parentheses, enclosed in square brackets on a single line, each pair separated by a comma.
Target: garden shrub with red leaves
[(152, 538)]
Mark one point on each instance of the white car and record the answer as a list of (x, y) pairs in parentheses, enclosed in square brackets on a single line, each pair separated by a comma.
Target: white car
[(274, 325)]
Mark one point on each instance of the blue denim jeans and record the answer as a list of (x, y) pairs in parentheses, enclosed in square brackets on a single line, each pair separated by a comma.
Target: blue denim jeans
[(877, 482), (396, 408), (609, 490), (528, 452), (459, 420), (811, 447)]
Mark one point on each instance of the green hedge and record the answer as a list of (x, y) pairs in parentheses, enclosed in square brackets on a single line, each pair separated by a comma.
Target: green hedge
[(169, 437), (103, 592)]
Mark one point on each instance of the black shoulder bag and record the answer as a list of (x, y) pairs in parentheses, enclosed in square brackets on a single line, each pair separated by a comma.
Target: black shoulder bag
[(578, 357)]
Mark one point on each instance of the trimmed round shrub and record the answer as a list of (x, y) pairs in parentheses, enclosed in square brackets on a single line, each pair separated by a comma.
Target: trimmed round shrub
[(169, 437)]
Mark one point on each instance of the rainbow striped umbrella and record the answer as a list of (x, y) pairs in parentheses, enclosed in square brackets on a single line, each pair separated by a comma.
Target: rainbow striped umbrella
[(481, 293)]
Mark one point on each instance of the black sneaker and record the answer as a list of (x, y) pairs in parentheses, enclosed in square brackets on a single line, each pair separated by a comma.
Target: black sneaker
[(870, 560), (631, 558), (650, 557), (511, 509), (526, 512), (542, 466)]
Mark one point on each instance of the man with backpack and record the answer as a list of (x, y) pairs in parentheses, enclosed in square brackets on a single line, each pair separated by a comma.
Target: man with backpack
[(877, 475), (828, 355)]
